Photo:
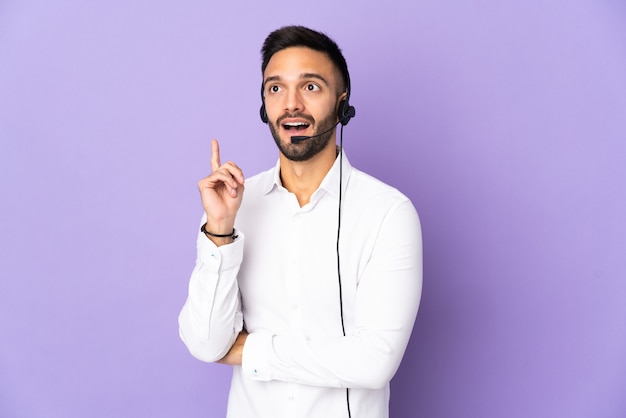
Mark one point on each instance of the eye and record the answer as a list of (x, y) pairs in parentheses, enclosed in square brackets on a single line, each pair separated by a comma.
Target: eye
[(312, 87), (274, 89)]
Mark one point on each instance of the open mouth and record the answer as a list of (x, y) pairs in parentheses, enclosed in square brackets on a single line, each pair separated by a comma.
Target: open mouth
[(295, 126)]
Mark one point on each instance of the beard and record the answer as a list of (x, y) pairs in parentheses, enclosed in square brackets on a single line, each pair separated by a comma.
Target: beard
[(308, 148)]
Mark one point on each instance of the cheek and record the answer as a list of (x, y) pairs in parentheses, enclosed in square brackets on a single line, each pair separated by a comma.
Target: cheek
[(322, 109), (274, 109)]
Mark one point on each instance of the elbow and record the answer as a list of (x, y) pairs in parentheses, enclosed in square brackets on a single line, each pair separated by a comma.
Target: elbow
[(377, 362), (375, 378), (203, 350), (374, 373), (205, 356), (207, 346)]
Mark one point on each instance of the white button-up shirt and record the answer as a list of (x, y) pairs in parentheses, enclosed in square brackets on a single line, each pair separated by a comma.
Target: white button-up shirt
[(279, 279)]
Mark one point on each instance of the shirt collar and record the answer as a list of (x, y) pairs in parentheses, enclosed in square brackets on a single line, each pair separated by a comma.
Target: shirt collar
[(329, 183)]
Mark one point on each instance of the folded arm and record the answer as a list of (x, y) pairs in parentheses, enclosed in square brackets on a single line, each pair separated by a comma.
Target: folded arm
[(387, 300)]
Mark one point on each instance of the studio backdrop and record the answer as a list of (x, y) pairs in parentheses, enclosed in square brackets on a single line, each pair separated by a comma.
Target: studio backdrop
[(503, 121)]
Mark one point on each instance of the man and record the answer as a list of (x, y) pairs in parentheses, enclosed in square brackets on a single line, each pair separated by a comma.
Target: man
[(309, 290)]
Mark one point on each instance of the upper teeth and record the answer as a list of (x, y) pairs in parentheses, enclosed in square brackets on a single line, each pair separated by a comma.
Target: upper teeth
[(295, 124)]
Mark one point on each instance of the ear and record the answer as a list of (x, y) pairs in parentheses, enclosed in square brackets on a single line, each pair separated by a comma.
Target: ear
[(340, 103), (341, 97)]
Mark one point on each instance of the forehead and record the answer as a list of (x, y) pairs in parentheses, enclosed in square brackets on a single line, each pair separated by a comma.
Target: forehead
[(293, 61)]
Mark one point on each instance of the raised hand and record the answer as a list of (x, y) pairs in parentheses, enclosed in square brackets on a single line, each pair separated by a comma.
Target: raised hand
[(221, 194)]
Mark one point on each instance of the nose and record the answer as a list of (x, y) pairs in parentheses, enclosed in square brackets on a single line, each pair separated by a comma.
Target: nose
[(293, 101)]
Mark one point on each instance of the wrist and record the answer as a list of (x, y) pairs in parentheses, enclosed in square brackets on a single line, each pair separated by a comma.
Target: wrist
[(219, 224), (219, 238)]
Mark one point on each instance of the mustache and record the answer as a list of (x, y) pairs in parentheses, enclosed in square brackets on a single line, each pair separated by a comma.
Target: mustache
[(295, 115)]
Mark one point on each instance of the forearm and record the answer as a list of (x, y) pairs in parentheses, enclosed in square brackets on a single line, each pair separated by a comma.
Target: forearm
[(362, 360), (211, 318)]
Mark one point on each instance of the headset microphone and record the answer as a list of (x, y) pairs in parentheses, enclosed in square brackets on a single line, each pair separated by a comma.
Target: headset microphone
[(298, 139)]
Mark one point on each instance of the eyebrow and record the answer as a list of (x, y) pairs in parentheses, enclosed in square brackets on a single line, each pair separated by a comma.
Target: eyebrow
[(302, 76)]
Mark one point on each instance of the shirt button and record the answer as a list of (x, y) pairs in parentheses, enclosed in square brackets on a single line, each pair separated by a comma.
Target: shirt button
[(291, 397), (294, 307)]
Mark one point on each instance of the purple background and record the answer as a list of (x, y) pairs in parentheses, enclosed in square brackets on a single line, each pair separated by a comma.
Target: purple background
[(503, 121)]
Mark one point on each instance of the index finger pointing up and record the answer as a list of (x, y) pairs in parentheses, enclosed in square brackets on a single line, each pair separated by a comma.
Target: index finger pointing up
[(215, 155)]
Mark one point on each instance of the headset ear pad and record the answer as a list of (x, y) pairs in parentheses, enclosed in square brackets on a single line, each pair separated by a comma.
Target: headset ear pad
[(263, 114), (345, 112)]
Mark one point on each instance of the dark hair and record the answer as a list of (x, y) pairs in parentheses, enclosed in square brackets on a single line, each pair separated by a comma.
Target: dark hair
[(290, 36)]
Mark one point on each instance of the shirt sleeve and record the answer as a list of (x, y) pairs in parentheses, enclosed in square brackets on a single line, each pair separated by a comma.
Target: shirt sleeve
[(387, 300), (211, 318)]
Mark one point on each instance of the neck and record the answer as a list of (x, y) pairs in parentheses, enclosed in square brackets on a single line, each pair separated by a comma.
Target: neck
[(302, 178)]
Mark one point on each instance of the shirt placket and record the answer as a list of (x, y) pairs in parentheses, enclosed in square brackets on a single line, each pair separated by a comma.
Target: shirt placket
[(293, 303)]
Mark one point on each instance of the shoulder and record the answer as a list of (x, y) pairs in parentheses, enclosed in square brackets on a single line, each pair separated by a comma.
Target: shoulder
[(378, 215), (363, 186), (371, 200)]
